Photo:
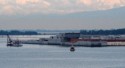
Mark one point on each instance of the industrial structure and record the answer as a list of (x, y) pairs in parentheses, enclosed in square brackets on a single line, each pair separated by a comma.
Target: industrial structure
[(77, 39)]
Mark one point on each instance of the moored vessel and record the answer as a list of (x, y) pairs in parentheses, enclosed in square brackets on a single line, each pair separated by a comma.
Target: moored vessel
[(13, 43)]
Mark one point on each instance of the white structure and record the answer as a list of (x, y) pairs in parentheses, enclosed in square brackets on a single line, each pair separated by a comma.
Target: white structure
[(81, 40)]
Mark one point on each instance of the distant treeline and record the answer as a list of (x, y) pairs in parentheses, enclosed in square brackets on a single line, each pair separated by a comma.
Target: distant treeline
[(85, 32), (16, 32), (103, 32)]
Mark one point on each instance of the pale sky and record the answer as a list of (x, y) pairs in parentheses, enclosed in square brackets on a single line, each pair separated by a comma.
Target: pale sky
[(62, 14)]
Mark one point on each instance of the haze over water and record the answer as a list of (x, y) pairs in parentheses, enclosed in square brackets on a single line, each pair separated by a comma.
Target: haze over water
[(48, 56)]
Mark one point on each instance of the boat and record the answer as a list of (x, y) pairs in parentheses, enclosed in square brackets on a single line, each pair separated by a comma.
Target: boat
[(72, 48), (13, 43)]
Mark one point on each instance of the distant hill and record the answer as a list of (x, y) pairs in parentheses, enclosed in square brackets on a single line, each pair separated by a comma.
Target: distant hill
[(116, 12), (103, 19), (111, 12)]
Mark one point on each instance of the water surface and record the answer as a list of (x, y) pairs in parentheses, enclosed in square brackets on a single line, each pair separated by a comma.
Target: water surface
[(45, 56)]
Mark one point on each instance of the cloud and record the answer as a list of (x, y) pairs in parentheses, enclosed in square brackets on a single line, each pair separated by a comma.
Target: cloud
[(2, 2), (23, 2), (56, 6), (108, 4), (112, 2), (8, 9), (85, 2)]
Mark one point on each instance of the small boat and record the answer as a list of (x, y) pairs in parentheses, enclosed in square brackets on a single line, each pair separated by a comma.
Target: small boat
[(13, 43), (72, 48)]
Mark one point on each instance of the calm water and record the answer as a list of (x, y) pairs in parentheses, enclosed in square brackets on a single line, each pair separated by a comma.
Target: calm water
[(44, 56)]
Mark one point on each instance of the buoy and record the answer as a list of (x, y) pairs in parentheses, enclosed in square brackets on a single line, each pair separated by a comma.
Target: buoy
[(72, 49)]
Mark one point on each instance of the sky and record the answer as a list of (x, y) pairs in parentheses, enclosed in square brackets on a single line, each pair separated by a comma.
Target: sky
[(61, 14)]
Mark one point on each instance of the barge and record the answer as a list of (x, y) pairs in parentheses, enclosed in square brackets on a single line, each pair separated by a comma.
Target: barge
[(77, 39)]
